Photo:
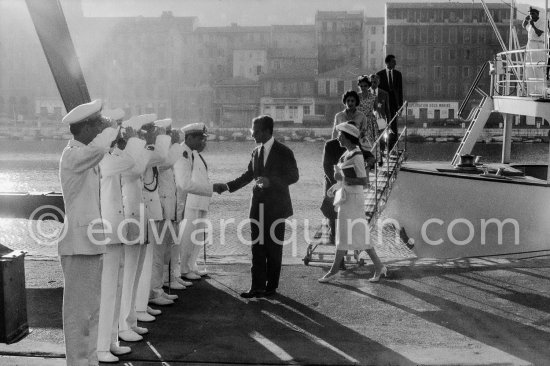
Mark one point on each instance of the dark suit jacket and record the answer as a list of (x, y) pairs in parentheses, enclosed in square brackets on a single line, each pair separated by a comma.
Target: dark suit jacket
[(396, 92), (331, 154), (383, 99), (282, 171)]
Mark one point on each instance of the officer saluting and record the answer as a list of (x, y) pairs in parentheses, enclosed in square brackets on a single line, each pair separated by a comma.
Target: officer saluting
[(81, 256), (194, 191)]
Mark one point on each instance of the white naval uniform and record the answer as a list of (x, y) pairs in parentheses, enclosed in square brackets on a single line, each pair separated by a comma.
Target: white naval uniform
[(153, 213), (166, 251), (134, 250), (81, 258), (195, 188), (112, 212)]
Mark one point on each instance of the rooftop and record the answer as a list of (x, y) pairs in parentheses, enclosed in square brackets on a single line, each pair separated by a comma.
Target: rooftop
[(449, 5)]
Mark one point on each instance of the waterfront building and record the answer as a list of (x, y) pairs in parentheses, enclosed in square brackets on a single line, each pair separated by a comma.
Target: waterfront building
[(440, 47), (236, 102), (249, 64), (339, 38), (373, 45), (331, 86)]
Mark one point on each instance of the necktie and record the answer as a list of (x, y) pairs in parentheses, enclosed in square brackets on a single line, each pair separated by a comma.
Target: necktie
[(391, 79), (261, 161)]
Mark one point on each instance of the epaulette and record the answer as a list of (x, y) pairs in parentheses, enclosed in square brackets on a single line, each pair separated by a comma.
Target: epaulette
[(185, 155)]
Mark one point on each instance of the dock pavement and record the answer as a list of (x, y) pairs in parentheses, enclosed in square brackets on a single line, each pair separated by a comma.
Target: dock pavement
[(483, 311)]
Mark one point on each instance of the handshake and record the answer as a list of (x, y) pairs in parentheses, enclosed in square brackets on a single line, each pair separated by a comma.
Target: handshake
[(219, 188)]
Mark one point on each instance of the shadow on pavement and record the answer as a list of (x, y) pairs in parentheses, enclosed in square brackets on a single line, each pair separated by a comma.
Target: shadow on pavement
[(44, 307), (518, 339), (210, 323)]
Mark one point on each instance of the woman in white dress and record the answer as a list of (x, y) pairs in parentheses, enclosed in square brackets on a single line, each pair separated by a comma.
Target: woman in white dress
[(352, 228)]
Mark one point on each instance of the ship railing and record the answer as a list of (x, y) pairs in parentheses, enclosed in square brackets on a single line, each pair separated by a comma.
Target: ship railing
[(521, 73)]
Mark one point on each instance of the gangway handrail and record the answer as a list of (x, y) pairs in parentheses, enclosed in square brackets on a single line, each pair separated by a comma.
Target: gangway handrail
[(394, 119), (473, 88)]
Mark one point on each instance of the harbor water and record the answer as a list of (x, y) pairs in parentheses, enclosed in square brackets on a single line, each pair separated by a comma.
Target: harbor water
[(32, 166)]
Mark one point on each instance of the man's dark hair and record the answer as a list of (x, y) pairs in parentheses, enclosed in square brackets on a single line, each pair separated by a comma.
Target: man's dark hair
[(265, 123), (389, 58), (353, 94), (76, 128)]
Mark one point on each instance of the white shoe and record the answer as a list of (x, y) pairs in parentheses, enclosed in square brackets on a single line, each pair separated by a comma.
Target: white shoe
[(175, 285), (169, 296), (129, 336), (201, 273), (119, 350), (327, 277), (191, 276), (106, 356), (144, 316), (160, 301), (185, 283), (140, 330), (153, 312)]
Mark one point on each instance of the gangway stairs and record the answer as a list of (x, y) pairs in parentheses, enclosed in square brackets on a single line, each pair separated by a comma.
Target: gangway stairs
[(376, 195), (478, 117)]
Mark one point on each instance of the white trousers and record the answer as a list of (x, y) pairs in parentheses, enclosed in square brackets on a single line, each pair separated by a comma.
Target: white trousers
[(82, 276), (161, 257), (193, 239), (111, 292), (134, 256), (172, 262), (536, 68), (144, 286)]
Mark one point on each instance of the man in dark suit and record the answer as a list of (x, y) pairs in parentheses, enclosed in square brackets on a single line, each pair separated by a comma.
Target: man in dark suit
[(331, 154), (381, 108), (391, 81), (273, 168)]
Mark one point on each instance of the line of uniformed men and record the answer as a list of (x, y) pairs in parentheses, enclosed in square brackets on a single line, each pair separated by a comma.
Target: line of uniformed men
[(148, 189)]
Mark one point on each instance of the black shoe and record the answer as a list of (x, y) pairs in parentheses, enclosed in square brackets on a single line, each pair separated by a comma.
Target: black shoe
[(252, 293), (270, 292)]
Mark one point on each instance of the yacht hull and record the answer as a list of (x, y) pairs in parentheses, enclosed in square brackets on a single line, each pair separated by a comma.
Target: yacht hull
[(452, 216)]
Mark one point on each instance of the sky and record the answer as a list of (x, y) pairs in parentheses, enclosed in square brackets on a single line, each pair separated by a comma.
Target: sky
[(243, 12)]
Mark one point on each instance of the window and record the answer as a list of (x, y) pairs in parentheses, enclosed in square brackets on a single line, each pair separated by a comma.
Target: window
[(321, 87), (466, 71), (466, 35), (452, 72), (372, 47), (327, 83), (258, 69), (452, 90), (453, 35), (293, 112), (467, 54), (437, 54), (452, 54), (325, 26), (334, 26), (340, 89), (481, 36), (306, 110), (372, 63), (437, 72), (279, 112), (373, 30)]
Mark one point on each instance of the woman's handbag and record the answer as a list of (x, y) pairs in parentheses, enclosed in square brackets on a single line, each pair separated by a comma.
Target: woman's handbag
[(339, 196), (327, 208)]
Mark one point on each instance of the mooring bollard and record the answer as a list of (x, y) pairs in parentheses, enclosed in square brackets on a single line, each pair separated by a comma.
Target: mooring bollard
[(13, 298)]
